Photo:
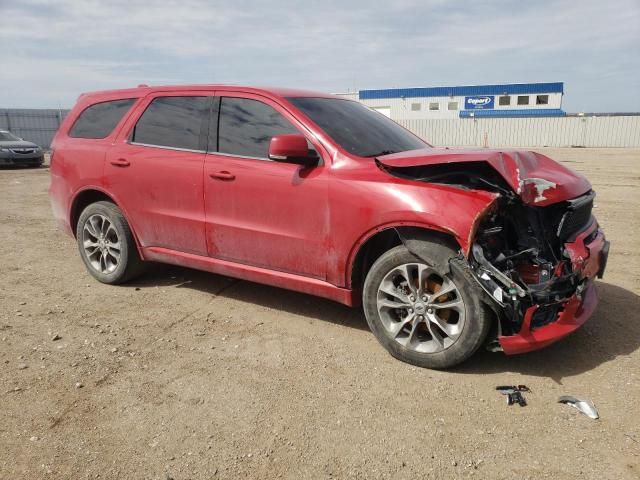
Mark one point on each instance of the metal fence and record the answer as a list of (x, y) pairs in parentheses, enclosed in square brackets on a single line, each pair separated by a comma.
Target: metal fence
[(591, 131), (39, 126), (35, 125)]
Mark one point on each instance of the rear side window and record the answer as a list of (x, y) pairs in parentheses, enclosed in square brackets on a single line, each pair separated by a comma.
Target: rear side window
[(176, 122), (247, 126), (99, 120)]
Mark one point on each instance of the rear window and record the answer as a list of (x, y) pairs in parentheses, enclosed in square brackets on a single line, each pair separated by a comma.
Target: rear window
[(175, 122), (99, 120)]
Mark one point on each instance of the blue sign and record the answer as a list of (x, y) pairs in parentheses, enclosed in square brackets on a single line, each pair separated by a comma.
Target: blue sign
[(480, 102)]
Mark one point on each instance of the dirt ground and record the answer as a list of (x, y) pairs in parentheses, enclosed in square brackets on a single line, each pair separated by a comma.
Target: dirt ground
[(188, 375)]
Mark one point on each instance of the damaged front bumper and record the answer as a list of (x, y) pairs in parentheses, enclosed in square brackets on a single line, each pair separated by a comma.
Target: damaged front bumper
[(588, 254), (575, 313)]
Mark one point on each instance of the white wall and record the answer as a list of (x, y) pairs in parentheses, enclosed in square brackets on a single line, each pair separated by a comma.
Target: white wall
[(529, 132), (401, 107), (349, 95)]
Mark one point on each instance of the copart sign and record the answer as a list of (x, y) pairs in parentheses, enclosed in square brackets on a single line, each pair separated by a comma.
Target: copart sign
[(478, 103)]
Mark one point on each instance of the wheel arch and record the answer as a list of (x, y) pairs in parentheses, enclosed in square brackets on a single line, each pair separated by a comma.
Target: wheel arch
[(82, 200), (90, 195), (382, 239)]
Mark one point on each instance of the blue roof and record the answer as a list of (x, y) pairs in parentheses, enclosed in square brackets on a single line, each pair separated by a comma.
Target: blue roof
[(509, 88), (532, 112)]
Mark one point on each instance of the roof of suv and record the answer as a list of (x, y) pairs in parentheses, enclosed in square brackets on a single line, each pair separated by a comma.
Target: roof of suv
[(267, 91)]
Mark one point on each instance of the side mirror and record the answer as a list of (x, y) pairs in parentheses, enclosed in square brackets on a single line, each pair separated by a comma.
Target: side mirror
[(292, 148)]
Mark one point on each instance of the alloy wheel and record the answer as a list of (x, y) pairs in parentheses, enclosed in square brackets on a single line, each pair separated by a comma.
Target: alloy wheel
[(420, 308), (101, 243)]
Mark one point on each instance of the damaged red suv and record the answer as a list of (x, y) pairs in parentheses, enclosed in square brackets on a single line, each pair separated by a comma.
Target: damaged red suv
[(446, 250)]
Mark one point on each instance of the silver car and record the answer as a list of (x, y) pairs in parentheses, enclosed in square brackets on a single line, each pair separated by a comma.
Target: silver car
[(15, 151)]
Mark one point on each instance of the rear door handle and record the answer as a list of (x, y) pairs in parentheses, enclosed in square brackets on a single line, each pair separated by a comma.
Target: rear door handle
[(120, 162), (224, 175)]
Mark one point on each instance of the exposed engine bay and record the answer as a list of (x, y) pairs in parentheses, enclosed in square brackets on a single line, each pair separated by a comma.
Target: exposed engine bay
[(520, 259), (519, 253)]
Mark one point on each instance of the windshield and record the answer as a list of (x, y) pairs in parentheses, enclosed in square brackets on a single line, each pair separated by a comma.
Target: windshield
[(356, 128), (7, 137)]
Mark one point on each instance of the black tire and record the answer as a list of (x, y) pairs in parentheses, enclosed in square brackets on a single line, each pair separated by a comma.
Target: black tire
[(128, 265), (445, 261)]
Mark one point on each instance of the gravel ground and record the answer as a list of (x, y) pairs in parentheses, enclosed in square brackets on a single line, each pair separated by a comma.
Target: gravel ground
[(188, 375)]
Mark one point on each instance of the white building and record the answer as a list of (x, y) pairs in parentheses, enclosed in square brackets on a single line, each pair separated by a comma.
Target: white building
[(509, 100)]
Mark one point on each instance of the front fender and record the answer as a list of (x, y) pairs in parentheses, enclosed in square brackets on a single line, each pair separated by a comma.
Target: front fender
[(369, 207)]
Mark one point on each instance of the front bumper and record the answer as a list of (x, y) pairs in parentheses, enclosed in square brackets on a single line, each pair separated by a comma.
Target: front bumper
[(588, 254), (21, 160)]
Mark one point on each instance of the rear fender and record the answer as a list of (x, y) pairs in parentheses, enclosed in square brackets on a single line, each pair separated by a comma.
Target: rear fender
[(74, 202)]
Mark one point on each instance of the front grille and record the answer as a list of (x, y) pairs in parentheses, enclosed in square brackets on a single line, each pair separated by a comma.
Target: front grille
[(576, 216), (23, 151)]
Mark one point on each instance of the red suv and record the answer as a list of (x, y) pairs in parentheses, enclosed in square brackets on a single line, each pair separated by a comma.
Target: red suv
[(446, 250)]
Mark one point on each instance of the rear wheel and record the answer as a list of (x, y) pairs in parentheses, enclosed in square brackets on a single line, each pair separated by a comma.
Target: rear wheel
[(106, 244), (425, 313)]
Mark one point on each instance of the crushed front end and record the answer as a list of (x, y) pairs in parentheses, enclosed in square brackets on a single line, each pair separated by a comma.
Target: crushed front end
[(535, 251), (537, 265)]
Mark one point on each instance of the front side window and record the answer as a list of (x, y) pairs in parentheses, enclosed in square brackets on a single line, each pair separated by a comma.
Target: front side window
[(523, 99), (356, 128), (247, 126), (174, 122), (99, 120), (415, 107)]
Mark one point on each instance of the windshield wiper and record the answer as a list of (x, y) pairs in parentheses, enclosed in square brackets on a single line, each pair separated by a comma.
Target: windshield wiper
[(383, 152)]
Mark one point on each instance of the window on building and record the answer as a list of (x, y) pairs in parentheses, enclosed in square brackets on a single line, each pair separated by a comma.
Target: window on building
[(523, 99), (434, 106), (416, 107), (174, 122), (99, 120), (452, 106), (247, 126), (542, 99), (504, 100)]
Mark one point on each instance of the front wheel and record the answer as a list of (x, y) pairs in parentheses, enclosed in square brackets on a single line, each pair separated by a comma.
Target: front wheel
[(425, 313), (106, 244)]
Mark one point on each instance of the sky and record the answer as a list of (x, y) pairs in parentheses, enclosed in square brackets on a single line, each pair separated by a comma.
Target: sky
[(54, 50)]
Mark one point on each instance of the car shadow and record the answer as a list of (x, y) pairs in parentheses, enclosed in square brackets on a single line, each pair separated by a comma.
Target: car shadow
[(612, 331), (264, 295), (23, 167)]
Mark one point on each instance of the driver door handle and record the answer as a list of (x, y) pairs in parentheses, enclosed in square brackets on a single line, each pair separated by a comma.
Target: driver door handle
[(120, 162), (223, 175)]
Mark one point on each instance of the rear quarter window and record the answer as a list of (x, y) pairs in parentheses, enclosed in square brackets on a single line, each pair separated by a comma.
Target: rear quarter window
[(99, 120)]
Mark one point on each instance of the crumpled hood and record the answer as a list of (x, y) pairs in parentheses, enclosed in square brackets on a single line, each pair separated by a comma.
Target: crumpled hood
[(537, 179)]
